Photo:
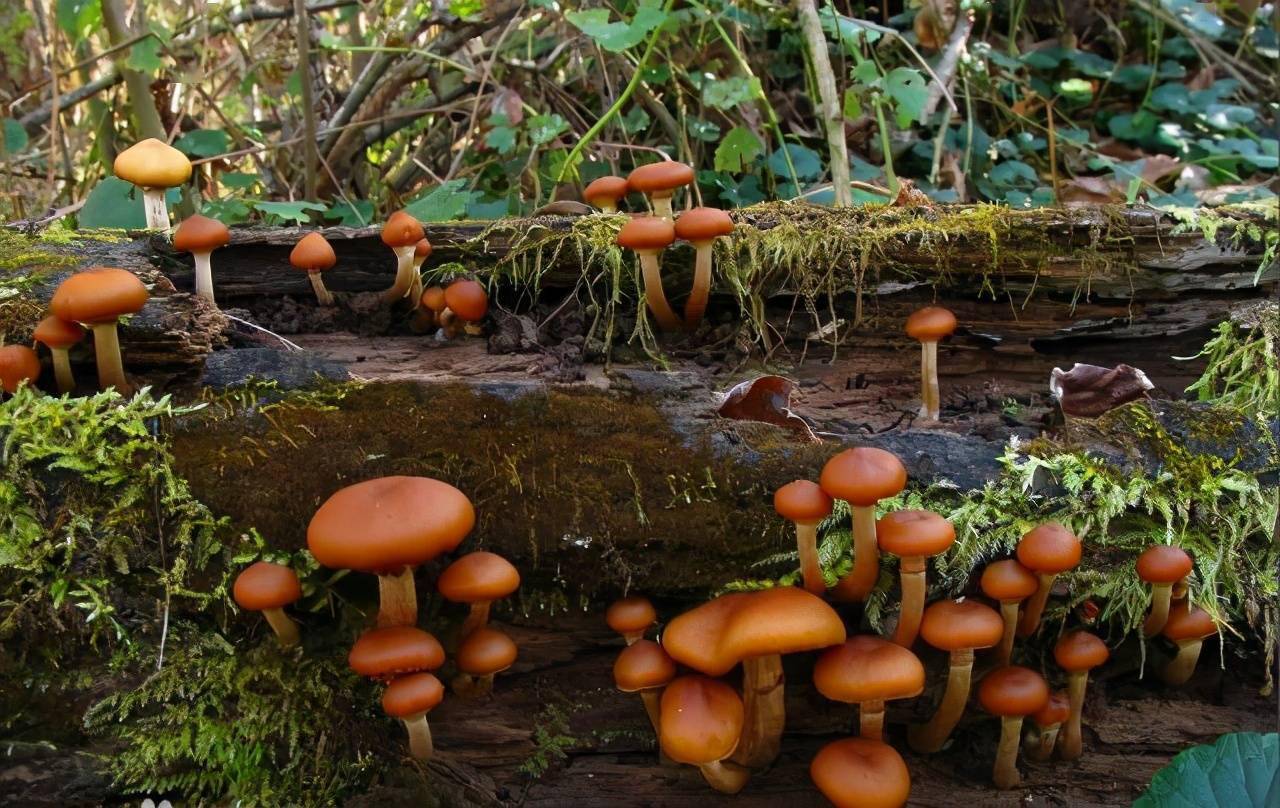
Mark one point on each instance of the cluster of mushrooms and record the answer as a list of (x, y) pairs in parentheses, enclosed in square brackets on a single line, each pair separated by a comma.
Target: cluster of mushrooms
[(389, 526), (703, 721)]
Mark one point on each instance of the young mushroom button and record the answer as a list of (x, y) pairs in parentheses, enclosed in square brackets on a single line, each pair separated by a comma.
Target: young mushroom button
[(478, 579), (484, 653), (648, 236), (1046, 550), (701, 227), (862, 477), (1077, 653), (914, 536), (385, 653), (200, 236), (644, 668), (700, 724), (18, 365), (861, 773), (98, 297), (929, 325), (1161, 566), (155, 167), (1047, 720), (659, 182), (605, 193), (1010, 583), (58, 335), (1012, 693), (410, 698), (466, 300), (631, 617), (1187, 627), (868, 671), (266, 587), (401, 233), (805, 504), (313, 254)]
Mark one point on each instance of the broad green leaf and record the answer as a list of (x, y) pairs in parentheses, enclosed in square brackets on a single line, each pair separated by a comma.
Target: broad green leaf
[(1076, 90), (1171, 97), (635, 121), (617, 36), (144, 56), (1091, 64), (866, 72), (228, 210), (852, 105), (15, 137), (806, 161), (1133, 77), (1014, 174), (443, 203), (203, 143), (78, 17), (545, 128), (1239, 770), (1132, 126), (702, 130), (502, 136), (238, 180), (730, 92), (290, 211), (356, 214), (488, 209), (739, 148), (464, 9), (909, 91), (113, 203)]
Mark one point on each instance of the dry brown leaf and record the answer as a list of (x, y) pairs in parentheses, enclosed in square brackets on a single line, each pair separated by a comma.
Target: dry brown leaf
[(1090, 191)]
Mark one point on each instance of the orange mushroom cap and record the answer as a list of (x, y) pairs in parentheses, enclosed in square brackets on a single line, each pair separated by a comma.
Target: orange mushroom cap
[(861, 773), (863, 476), (486, 651), (1187, 622), (610, 189), (1078, 651), (1056, 710), (703, 224), (1049, 548), (954, 625), (1163, 564), (313, 253), (152, 163), (643, 665), (635, 613), (422, 250), (401, 230), (867, 668), (467, 299), (1008, 580), (646, 233), (200, 234), (264, 585), (665, 176), (930, 324), (18, 364), (1013, 691), (412, 695), (802, 501), (433, 298), (391, 651), (56, 332), (479, 576), (912, 533), (98, 295), (700, 721), (389, 523)]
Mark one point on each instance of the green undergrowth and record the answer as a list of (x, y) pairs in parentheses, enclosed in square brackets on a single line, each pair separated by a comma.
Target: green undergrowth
[(1241, 369), (25, 262)]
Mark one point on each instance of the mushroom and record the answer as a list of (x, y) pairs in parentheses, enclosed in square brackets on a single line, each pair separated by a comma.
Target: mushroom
[(929, 325), (1047, 720), (478, 579), (1162, 566), (465, 300), (1010, 583), (1077, 653), (402, 233), (958, 627), (385, 653), (756, 629), (387, 526), (430, 306), (58, 335), (659, 182), (805, 504), (154, 166), (200, 236), (701, 227), (606, 192), (410, 698), (313, 254), (862, 477), (1046, 550), (98, 297), (1187, 627), (866, 671), (861, 773), (645, 668), (631, 617), (913, 536), (266, 587), (648, 236), (18, 365), (421, 252), (700, 723), (484, 653), (1013, 693)]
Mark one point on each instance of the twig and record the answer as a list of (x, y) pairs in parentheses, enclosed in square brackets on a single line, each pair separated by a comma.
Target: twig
[(947, 65), (303, 27), (292, 346), (832, 115)]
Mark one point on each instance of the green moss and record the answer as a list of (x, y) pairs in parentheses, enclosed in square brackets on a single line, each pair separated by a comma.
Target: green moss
[(25, 262)]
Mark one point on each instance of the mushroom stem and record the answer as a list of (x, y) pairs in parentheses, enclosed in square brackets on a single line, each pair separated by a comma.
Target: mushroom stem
[(397, 599), (607, 206), (653, 294), (696, 305), (322, 293), (1040, 746), (653, 706), (1005, 774), (1035, 605), (912, 571), (857, 585), (420, 745), (204, 276), (286, 630), (478, 617), (807, 547), (930, 398), (1070, 742), (1180, 668), (415, 285), (724, 777), (930, 737), (763, 701), (404, 273), (62, 370), (1160, 594), (632, 637), (871, 719), (156, 210), (1004, 651), (106, 348), (661, 206)]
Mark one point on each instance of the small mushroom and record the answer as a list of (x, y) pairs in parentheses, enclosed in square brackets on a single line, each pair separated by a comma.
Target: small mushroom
[(421, 252), (430, 306), (58, 335), (410, 698), (266, 587), (701, 227), (314, 254), (1187, 627), (1010, 583), (402, 233), (98, 297), (631, 617), (645, 668), (605, 193), (385, 653), (862, 477), (700, 723), (155, 167), (1013, 693), (200, 236), (914, 536), (805, 504), (1162, 566), (861, 773), (478, 579), (659, 182), (867, 671), (1046, 550), (958, 627), (1077, 653), (929, 325), (1047, 721), (648, 236), (484, 653), (465, 300), (18, 365)]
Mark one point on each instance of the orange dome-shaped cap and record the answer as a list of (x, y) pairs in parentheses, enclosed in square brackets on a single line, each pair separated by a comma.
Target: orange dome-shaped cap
[(467, 299), (863, 476), (646, 233), (867, 668), (18, 364), (401, 230), (700, 721), (264, 585), (954, 625), (605, 189), (1187, 622), (912, 533), (384, 652), (412, 695), (660, 177), (486, 651), (1163, 564), (98, 295), (56, 332), (422, 250), (477, 577), (631, 614), (433, 298), (1079, 651), (389, 523), (153, 163), (1012, 691), (1049, 548), (802, 501), (930, 324), (313, 253), (1008, 580), (703, 224), (861, 773), (1056, 710), (200, 234), (643, 665)]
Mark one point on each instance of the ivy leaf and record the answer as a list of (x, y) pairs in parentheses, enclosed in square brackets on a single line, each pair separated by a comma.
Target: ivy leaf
[(806, 161), (1133, 126), (617, 36), (908, 89), (545, 128), (78, 17), (1239, 769), (356, 214), (739, 148), (443, 203), (15, 137), (635, 121), (702, 130), (113, 203), (228, 211), (203, 143), (290, 211), (144, 56), (502, 136), (238, 180), (729, 93)]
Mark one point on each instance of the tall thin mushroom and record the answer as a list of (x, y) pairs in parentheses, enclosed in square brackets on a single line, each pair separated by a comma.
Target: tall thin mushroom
[(867, 671), (930, 325), (1013, 693), (862, 477), (1162, 566), (1077, 653), (805, 505), (1010, 583), (1046, 550), (267, 587), (314, 254), (58, 335), (957, 627), (648, 236), (200, 236), (1187, 627), (401, 233), (421, 252), (155, 167), (700, 724), (606, 192), (98, 297), (1048, 721), (410, 698), (914, 536), (701, 227)]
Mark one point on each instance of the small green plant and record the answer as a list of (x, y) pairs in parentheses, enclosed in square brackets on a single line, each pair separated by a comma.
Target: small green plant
[(551, 742), (1242, 369)]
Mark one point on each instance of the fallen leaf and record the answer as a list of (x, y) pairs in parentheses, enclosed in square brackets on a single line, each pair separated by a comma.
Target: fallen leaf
[(1090, 191), (766, 399), (1087, 391)]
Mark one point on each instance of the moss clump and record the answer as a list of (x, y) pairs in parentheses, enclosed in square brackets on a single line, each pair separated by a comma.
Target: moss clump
[(1242, 370)]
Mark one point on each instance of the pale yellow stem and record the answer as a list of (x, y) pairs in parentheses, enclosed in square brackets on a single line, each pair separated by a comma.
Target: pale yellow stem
[(322, 293), (1009, 611), (478, 617), (1070, 740), (1035, 605), (397, 599), (157, 211), (807, 547), (420, 745), (404, 273), (696, 306), (1155, 621), (106, 348), (62, 370), (763, 700), (286, 630), (871, 719), (1040, 746), (931, 397), (1005, 773), (204, 276), (931, 736), (1180, 668), (857, 585), (914, 584), (654, 296), (662, 205), (725, 777)]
